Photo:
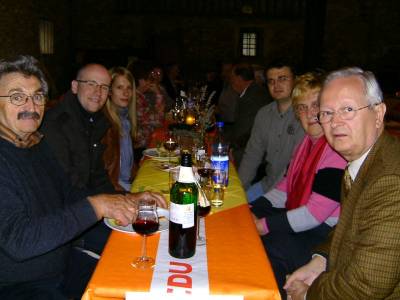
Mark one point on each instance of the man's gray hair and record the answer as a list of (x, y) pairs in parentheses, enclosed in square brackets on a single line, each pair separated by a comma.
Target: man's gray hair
[(373, 92), (26, 65)]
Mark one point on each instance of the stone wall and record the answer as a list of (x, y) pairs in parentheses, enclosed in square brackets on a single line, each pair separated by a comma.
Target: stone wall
[(356, 32), (365, 33), (196, 42), (19, 34)]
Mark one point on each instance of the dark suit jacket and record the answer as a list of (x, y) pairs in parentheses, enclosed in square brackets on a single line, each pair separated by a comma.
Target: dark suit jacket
[(364, 250), (247, 107), (76, 142)]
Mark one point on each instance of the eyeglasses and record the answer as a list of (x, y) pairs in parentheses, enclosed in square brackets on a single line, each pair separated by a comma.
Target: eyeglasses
[(346, 113), (304, 108), (93, 85), (19, 99)]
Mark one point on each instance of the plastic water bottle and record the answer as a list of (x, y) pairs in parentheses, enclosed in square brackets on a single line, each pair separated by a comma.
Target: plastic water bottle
[(219, 156)]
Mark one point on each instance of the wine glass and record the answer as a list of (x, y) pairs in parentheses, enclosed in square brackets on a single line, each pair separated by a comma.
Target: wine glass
[(170, 144), (204, 170), (203, 209), (146, 223)]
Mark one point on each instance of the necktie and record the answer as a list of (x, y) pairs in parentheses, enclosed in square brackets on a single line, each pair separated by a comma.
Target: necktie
[(347, 180)]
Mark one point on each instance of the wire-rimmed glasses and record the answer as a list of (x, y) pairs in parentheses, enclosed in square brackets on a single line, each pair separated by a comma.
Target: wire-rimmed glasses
[(20, 99), (93, 85), (346, 113), (304, 108)]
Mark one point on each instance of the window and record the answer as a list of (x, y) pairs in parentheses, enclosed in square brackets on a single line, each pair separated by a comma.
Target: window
[(249, 43), (46, 37)]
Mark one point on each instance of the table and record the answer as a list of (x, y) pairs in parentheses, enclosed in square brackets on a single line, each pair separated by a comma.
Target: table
[(236, 260)]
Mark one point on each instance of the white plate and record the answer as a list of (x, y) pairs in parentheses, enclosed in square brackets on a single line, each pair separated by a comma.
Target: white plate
[(163, 215), (153, 153)]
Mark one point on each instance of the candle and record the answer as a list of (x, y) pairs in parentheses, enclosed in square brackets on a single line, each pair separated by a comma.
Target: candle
[(190, 119)]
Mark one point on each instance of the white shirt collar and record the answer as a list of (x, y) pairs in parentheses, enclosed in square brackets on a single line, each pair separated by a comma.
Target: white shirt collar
[(355, 165), (244, 91)]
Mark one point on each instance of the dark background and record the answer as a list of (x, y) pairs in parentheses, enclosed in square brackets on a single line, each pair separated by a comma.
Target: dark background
[(200, 34)]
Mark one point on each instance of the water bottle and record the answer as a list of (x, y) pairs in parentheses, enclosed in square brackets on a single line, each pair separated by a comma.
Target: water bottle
[(219, 156)]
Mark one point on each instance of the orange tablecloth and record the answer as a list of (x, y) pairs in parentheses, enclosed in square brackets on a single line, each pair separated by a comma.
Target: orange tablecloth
[(237, 263)]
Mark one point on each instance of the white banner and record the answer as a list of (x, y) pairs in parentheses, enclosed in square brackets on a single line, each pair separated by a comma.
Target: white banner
[(178, 279), (180, 276)]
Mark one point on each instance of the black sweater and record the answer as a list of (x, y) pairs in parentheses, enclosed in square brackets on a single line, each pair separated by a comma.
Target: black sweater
[(40, 213)]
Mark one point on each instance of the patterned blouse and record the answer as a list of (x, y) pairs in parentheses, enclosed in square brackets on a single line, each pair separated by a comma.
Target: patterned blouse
[(150, 111)]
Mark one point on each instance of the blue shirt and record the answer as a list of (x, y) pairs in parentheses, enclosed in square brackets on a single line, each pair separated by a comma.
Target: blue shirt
[(126, 151)]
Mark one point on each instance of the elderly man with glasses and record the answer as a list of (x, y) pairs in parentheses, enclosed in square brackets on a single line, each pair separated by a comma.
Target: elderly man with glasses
[(361, 258), (40, 211)]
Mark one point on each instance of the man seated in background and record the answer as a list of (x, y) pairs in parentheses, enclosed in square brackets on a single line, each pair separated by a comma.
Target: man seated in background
[(275, 133), (41, 211), (361, 258), (251, 98), (228, 98)]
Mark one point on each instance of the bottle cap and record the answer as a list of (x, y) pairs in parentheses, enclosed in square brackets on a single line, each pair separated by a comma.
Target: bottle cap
[(220, 124), (186, 159)]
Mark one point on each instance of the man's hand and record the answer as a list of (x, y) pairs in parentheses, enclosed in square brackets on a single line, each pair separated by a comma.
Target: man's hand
[(122, 208), (160, 200), (306, 275), (118, 207), (259, 224)]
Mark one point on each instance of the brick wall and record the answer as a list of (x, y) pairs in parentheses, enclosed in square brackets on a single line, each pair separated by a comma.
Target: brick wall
[(357, 32)]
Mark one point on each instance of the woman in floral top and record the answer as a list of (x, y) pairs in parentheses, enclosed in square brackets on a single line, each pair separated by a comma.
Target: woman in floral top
[(150, 106)]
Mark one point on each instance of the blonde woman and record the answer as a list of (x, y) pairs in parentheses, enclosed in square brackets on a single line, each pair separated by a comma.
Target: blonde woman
[(121, 112)]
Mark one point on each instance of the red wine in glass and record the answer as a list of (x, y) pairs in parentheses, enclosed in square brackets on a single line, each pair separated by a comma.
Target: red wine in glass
[(145, 227), (203, 211), (146, 223)]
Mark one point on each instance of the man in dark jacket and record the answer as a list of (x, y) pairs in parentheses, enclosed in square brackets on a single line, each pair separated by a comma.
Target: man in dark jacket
[(74, 129), (75, 126), (251, 98)]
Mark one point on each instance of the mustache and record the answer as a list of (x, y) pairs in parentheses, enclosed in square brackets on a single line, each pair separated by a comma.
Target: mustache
[(28, 115)]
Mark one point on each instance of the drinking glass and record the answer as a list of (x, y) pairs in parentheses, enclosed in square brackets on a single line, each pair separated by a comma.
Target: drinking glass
[(146, 223), (203, 209), (218, 187), (170, 144)]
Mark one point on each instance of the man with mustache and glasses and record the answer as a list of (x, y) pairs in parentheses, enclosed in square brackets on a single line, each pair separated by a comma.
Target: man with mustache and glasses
[(40, 211), (361, 258)]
